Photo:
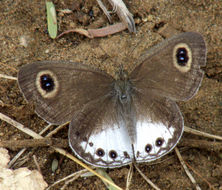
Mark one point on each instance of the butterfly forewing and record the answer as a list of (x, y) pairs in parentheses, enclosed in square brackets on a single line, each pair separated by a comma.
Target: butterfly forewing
[(59, 89), (172, 68)]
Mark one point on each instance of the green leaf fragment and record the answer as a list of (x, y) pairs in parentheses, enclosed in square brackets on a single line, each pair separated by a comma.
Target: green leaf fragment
[(104, 174), (55, 164), (51, 19)]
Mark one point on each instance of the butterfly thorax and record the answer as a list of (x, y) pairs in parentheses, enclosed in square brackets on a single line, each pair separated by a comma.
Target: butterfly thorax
[(123, 91), (122, 87)]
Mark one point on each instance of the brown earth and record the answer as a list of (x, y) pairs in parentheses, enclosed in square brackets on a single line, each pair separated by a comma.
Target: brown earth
[(26, 20)]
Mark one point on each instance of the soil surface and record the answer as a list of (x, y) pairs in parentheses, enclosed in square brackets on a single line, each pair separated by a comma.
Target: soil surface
[(24, 39)]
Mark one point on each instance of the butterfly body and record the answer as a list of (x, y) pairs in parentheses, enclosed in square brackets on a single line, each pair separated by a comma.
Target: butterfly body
[(116, 122), (122, 88)]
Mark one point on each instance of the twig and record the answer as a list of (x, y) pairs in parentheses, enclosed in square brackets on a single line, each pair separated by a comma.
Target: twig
[(210, 186), (203, 134), (16, 157), (100, 32), (20, 126), (129, 177), (7, 77), (63, 152), (36, 163), (125, 16), (45, 129), (146, 179), (68, 182), (186, 169), (62, 143), (11, 163), (104, 10), (73, 175), (56, 129), (202, 144), (15, 144)]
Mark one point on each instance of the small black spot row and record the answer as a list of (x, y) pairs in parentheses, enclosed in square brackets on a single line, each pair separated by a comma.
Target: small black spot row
[(112, 154), (85, 139), (47, 83), (91, 144), (182, 56), (148, 148), (100, 152), (126, 155), (159, 142), (137, 154)]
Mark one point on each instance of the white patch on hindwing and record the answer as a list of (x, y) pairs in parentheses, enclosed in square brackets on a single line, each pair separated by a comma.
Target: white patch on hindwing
[(110, 139), (117, 139), (147, 134)]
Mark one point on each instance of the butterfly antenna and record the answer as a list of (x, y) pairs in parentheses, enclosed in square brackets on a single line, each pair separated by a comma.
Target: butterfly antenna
[(107, 55), (122, 73)]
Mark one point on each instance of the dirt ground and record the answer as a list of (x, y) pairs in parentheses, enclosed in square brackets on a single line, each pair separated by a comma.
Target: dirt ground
[(25, 21)]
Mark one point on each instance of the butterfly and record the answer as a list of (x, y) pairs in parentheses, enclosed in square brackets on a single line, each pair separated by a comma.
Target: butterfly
[(114, 122)]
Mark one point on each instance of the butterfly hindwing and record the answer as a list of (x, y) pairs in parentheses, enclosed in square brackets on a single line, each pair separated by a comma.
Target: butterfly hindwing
[(99, 136), (141, 130), (159, 126)]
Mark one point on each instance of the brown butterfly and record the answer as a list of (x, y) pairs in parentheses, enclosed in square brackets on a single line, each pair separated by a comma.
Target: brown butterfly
[(115, 122)]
